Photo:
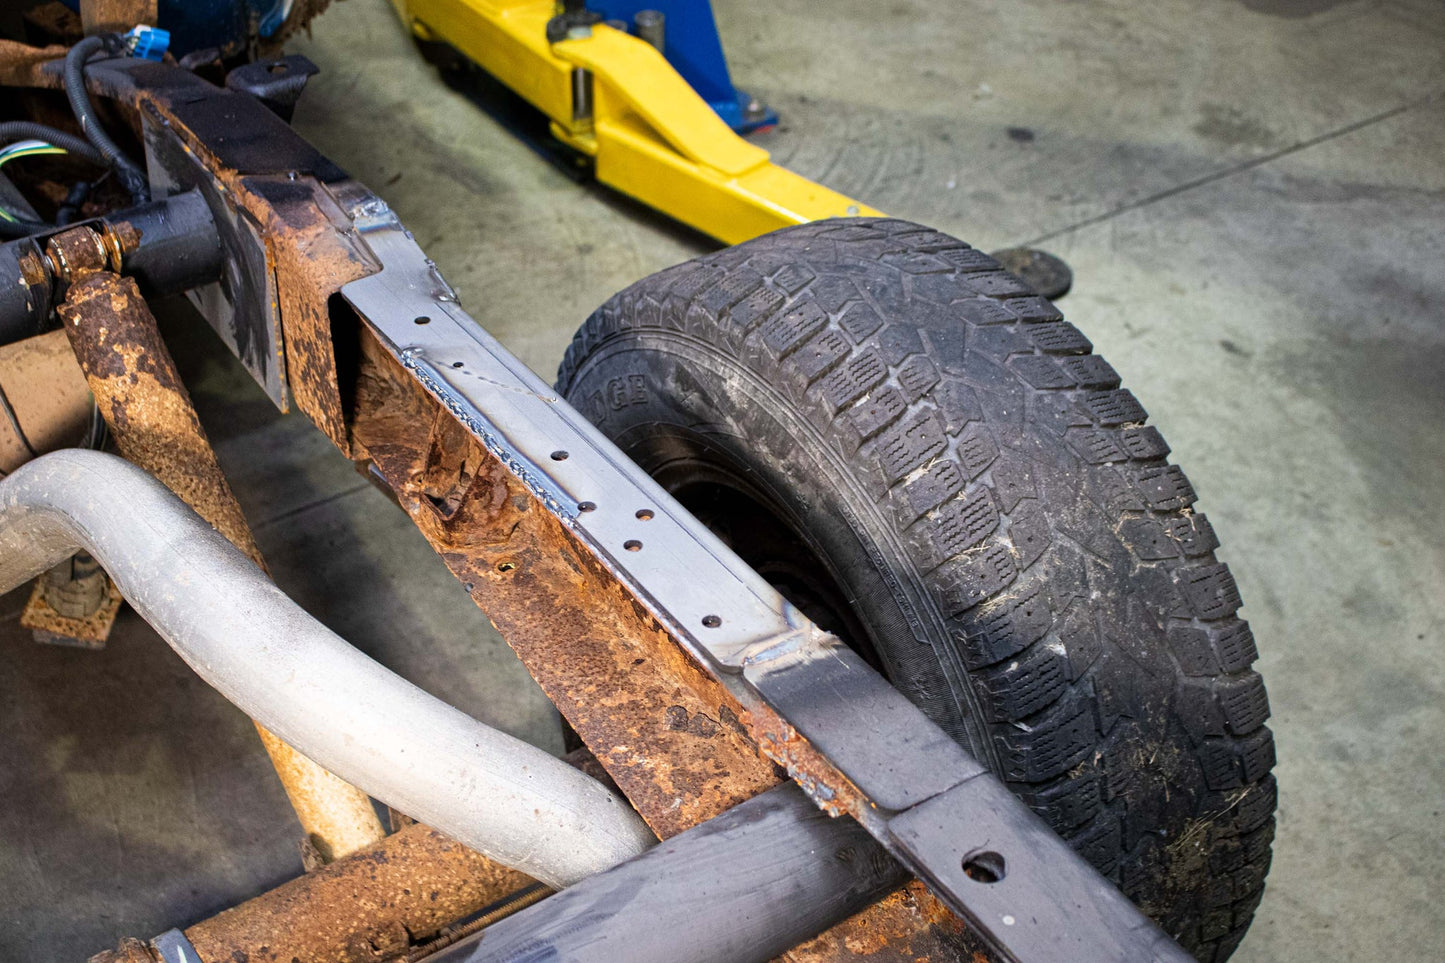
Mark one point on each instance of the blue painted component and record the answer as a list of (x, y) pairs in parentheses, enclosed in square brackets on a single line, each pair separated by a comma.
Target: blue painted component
[(148, 43), (692, 45), (227, 25)]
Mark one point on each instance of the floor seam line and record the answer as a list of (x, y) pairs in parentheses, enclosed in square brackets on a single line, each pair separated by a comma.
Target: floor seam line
[(301, 509), (1231, 171)]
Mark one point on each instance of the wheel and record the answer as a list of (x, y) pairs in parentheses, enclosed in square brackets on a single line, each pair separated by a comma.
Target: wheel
[(928, 460)]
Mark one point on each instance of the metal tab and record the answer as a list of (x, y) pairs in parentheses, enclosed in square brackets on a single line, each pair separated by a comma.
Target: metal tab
[(173, 947), (1003, 863)]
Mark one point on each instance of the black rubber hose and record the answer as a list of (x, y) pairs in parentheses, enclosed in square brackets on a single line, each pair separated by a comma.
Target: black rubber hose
[(13, 130), (131, 176), (10, 230)]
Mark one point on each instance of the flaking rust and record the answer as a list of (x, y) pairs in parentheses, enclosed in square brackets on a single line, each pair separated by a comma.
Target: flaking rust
[(312, 253), (611, 670), (312, 261), (372, 905), (676, 743), (90, 632), (834, 793), (139, 392), (909, 924)]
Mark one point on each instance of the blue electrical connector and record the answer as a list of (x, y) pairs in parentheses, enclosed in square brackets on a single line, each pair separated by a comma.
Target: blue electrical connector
[(148, 43)]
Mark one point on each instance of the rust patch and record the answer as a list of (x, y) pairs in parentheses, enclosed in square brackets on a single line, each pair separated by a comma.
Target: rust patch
[(33, 270), (610, 669), (373, 905), (50, 626), (313, 260), (78, 253), (676, 743), (116, 16), (906, 926), (21, 64), (135, 383), (831, 790)]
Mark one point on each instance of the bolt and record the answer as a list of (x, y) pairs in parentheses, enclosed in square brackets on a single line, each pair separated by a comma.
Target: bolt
[(77, 253)]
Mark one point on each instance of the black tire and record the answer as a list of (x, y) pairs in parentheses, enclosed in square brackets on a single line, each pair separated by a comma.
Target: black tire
[(928, 459)]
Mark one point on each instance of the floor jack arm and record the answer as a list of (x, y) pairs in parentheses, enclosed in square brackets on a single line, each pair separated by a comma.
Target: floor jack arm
[(614, 98)]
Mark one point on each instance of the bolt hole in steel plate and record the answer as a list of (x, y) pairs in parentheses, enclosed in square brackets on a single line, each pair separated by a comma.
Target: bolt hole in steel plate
[(644, 514), (984, 866)]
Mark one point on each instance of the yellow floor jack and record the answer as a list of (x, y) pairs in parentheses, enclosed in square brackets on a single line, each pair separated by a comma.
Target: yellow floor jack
[(621, 88)]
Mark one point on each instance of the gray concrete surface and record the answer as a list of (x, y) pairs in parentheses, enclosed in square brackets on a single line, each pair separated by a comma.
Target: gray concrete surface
[(1252, 195)]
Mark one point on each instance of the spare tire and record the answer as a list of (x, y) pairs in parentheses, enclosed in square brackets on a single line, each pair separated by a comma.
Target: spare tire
[(928, 460)]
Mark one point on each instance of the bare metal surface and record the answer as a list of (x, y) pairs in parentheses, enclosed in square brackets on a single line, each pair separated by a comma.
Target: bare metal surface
[(504, 798), (136, 386)]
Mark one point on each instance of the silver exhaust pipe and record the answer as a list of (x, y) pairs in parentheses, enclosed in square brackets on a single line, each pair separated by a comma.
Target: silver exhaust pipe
[(501, 796)]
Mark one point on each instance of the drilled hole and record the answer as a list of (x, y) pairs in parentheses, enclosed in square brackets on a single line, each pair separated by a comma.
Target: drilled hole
[(983, 866), (587, 506), (711, 621), (645, 514), (632, 545), (458, 364), (559, 456), (421, 319), (506, 566)]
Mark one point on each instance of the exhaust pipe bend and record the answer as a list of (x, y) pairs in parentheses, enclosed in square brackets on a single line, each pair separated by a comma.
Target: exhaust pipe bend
[(501, 796)]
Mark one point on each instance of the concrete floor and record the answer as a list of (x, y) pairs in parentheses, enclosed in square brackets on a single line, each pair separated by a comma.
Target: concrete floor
[(1252, 195)]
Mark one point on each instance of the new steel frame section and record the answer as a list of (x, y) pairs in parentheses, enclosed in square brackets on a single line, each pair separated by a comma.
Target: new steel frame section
[(574, 552), (614, 98)]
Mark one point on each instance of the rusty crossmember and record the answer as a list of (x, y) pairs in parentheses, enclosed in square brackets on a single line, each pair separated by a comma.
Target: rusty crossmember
[(139, 392), (689, 690)]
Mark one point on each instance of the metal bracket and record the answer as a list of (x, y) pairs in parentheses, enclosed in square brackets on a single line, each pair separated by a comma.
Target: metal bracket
[(276, 83)]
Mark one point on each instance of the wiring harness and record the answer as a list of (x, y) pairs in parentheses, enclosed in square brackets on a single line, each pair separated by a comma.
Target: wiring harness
[(26, 139)]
